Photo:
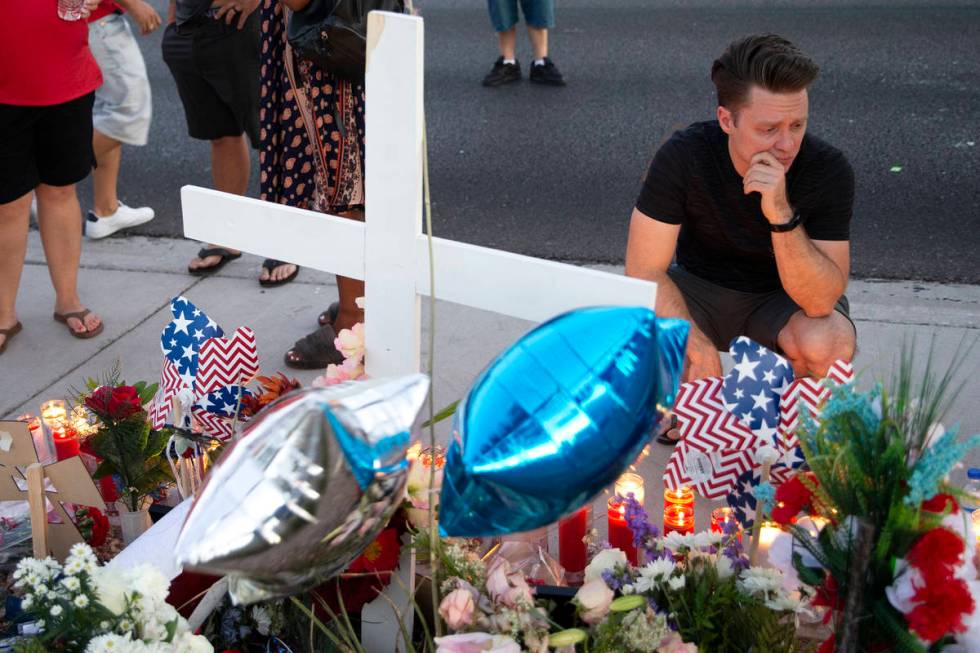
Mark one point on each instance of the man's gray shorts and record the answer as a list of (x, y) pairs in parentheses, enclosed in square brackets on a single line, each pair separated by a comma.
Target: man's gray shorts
[(724, 314)]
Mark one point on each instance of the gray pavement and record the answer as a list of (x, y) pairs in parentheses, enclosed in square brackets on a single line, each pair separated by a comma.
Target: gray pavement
[(131, 280)]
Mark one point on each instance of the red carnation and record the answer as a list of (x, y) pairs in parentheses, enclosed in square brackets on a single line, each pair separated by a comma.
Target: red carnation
[(942, 606), (828, 596), (792, 497), (98, 401), (936, 553), (940, 503), (124, 402), (93, 525)]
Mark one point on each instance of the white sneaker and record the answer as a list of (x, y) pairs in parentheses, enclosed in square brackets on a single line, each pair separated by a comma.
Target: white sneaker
[(125, 216)]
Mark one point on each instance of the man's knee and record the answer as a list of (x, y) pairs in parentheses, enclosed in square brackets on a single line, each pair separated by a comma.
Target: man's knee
[(814, 344)]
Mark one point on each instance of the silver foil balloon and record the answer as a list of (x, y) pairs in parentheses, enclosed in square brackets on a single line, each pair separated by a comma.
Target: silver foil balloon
[(306, 488)]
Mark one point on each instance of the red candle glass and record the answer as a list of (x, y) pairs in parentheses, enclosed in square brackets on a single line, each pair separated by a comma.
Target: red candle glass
[(722, 517), (66, 442), (571, 543), (620, 536), (679, 519)]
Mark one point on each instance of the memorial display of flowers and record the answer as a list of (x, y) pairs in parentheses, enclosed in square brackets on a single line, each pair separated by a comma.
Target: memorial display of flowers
[(80, 607), (891, 557)]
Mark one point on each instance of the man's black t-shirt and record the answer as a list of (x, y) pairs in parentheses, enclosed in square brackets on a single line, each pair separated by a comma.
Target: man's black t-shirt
[(188, 10), (724, 236)]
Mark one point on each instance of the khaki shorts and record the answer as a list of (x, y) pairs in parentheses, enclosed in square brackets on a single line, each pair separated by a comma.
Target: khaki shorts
[(123, 105), (724, 314)]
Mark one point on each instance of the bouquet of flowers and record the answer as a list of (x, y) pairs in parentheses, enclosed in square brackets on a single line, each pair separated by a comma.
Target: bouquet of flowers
[(83, 608), (893, 563), (697, 592), (124, 440)]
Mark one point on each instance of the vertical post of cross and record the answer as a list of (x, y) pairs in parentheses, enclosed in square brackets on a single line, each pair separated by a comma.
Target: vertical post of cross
[(393, 192)]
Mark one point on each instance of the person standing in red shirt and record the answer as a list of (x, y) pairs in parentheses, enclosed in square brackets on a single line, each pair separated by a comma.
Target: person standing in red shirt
[(47, 83)]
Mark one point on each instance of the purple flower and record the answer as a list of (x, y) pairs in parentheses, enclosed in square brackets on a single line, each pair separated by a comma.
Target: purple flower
[(645, 534)]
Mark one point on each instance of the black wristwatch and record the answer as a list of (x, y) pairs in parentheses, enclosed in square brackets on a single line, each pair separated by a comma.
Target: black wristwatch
[(789, 226)]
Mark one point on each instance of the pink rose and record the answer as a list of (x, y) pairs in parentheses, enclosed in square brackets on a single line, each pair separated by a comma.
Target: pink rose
[(476, 643), (350, 342), (593, 599), (457, 609), (674, 644)]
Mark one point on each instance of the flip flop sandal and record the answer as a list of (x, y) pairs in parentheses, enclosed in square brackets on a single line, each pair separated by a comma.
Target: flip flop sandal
[(314, 351), (80, 316), (271, 264), (225, 257), (664, 436), (9, 335), (329, 316)]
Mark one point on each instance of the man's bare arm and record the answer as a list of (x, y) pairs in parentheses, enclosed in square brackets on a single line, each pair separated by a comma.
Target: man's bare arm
[(649, 252), (813, 273)]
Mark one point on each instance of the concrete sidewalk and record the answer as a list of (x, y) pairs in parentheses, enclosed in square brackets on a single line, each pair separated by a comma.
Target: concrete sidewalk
[(130, 281)]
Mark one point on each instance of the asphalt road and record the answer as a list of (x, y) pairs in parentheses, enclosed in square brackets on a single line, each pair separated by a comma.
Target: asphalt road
[(554, 172)]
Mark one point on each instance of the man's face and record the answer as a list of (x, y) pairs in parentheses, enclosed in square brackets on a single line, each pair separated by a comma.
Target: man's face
[(768, 122)]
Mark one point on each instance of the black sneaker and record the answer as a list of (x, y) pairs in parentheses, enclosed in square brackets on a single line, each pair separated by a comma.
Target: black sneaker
[(546, 73), (502, 73)]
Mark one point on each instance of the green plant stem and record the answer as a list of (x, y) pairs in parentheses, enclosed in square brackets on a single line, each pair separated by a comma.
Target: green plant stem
[(433, 525), (319, 624)]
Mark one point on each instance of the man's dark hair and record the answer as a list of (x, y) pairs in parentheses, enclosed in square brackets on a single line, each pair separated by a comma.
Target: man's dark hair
[(768, 61)]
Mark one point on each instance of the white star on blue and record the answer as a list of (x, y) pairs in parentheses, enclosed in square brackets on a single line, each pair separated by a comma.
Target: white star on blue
[(182, 337), (753, 387)]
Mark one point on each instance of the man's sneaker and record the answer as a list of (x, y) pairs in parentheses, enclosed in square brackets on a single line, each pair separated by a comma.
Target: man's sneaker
[(546, 73), (125, 216), (502, 73)]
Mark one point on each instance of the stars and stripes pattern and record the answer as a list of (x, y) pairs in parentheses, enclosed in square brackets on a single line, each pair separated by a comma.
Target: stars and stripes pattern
[(724, 421), (183, 336), (227, 361), (214, 411)]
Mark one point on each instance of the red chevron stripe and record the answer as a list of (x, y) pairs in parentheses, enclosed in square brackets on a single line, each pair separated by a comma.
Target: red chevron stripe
[(211, 424), (159, 408), (227, 361), (170, 377)]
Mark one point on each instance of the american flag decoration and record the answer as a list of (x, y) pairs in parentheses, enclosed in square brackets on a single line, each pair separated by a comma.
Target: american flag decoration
[(183, 336), (723, 422), (197, 357), (227, 361)]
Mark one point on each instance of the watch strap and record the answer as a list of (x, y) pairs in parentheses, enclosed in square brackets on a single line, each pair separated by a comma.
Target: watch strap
[(789, 226)]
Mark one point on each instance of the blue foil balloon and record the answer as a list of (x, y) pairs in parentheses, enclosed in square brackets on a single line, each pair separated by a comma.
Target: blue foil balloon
[(557, 418)]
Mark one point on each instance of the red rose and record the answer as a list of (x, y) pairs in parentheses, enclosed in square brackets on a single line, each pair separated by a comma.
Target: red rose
[(98, 401), (124, 402)]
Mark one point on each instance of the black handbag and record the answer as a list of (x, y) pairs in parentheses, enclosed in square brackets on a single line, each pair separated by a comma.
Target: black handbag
[(333, 33)]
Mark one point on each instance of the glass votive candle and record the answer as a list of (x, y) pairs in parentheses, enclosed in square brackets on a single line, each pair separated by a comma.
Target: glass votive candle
[(679, 519), (630, 483), (683, 496), (54, 413)]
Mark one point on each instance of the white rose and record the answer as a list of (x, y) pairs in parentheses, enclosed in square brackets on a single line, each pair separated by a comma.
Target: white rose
[(111, 590), (605, 560)]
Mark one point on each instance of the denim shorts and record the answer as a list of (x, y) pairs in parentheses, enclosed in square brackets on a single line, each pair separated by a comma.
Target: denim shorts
[(537, 13), (123, 105)]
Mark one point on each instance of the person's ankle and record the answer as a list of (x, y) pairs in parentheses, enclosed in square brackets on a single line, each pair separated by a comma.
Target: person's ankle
[(8, 320), (105, 210)]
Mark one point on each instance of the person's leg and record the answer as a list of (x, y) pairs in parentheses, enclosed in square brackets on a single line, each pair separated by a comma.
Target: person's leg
[(539, 41), (59, 221), (108, 155), (507, 43), (230, 168), (349, 290), (813, 344), (13, 248)]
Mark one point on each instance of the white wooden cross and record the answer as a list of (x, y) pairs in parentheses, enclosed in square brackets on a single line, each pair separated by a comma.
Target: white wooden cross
[(389, 250)]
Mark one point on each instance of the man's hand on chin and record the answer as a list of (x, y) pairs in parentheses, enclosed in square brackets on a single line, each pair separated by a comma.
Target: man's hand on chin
[(767, 177), (702, 359)]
